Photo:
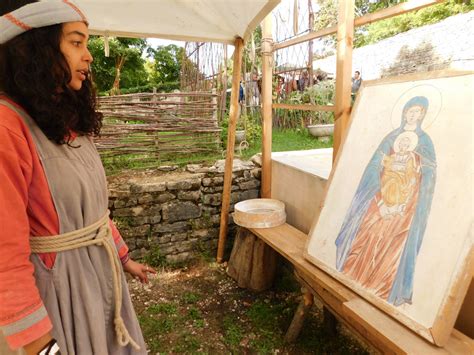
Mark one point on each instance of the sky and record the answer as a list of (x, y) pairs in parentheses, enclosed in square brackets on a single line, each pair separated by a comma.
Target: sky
[(155, 42)]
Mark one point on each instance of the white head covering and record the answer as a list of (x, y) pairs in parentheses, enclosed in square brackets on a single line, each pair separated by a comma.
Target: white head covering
[(38, 14)]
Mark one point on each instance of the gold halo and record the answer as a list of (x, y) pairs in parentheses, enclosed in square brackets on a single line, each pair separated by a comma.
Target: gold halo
[(434, 104), (412, 136)]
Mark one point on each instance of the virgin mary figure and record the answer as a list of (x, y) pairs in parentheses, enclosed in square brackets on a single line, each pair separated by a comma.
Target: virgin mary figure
[(383, 230)]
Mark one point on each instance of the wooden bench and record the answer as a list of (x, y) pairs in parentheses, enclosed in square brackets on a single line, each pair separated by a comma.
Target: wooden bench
[(378, 328)]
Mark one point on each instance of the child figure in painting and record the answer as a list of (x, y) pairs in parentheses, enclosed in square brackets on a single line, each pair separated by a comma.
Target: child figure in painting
[(399, 176), (383, 230)]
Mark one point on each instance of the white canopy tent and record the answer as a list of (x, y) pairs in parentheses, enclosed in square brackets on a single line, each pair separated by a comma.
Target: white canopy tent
[(183, 20)]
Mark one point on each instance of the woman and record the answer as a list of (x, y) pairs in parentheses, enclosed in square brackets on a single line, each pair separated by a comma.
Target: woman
[(383, 230), (61, 279)]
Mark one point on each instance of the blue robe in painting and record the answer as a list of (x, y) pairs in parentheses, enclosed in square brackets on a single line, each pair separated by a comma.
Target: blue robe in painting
[(402, 288)]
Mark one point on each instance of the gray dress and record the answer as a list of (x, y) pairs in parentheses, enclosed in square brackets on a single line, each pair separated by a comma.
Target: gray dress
[(78, 291)]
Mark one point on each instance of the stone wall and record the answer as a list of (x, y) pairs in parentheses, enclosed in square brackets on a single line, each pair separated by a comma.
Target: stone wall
[(446, 44), (176, 214)]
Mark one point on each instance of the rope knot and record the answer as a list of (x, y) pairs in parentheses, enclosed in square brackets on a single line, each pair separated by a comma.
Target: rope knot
[(98, 233), (123, 336)]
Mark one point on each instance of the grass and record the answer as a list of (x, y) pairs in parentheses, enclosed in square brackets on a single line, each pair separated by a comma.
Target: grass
[(158, 319), (282, 140), (233, 332), (288, 140), (190, 297), (199, 309)]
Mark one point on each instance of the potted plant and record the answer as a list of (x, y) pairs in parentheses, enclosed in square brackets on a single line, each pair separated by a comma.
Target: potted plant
[(322, 93), (240, 130)]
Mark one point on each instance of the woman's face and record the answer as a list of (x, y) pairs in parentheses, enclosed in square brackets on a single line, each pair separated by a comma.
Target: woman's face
[(73, 46), (413, 114)]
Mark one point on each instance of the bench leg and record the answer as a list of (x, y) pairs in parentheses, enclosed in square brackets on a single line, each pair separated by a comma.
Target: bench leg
[(300, 314), (329, 322)]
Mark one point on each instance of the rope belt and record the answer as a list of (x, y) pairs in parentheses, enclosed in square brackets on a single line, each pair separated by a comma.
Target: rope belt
[(99, 234)]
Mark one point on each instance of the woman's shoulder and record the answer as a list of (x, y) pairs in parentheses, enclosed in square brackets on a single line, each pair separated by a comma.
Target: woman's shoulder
[(10, 120)]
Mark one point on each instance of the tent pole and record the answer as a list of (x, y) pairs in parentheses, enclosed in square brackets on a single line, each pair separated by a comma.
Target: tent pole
[(345, 36), (267, 78), (234, 111)]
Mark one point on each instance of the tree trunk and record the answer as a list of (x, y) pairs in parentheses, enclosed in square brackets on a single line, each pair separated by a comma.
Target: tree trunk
[(252, 263), (118, 68)]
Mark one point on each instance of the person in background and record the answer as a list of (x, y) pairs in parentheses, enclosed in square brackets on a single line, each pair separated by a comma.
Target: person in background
[(303, 82), (241, 93), (62, 285), (280, 89), (356, 82)]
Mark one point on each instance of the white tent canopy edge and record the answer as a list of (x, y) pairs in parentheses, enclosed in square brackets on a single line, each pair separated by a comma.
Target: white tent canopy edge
[(182, 20)]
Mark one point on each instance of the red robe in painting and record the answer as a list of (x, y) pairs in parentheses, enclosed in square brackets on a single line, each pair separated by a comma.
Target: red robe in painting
[(375, 254)]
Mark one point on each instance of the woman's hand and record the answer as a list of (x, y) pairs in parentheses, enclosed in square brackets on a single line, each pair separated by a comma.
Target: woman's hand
[(36, 346), (138, 270)]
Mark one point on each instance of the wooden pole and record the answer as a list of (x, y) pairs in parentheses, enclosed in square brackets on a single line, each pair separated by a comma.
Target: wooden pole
[(310, 44), (345, 35), (224, 85), (267, 73), (234, 111)]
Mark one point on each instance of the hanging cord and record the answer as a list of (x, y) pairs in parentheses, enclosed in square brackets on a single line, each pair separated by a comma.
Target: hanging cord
[(99, 234)]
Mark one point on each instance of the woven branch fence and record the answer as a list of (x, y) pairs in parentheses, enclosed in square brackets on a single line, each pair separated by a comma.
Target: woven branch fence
[(154, 128)]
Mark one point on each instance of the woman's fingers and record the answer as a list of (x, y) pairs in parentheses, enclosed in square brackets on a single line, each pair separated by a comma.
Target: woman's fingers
[(150, 270)]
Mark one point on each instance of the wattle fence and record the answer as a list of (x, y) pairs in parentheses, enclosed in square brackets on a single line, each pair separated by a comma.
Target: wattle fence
[(150, 129)]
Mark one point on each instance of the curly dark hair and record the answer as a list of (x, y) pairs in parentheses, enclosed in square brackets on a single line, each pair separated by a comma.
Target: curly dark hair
[(35, 74)]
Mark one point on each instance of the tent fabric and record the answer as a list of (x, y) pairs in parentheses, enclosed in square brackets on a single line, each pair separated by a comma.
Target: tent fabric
[(183, 20)]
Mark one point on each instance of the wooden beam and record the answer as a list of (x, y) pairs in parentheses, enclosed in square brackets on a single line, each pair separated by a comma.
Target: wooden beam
[(267, 67), (345, 35), (327, 108), (305, 38), (396, 10), (234, 111), (392, 11)]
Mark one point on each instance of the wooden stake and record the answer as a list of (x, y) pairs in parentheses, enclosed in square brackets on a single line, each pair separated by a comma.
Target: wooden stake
[(345, 35), (267, 68), (299, 317), (224, 85), (234, 111), (310, 44)]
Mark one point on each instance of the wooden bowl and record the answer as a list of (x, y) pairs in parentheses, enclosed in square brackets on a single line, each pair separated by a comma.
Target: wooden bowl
[(259, 213)]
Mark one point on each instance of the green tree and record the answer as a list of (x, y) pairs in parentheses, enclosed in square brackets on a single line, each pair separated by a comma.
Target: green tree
[(387, 28), (326, 16), (166, 66), (125, 67)]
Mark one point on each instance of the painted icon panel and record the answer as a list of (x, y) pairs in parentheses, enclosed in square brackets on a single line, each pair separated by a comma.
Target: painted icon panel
[(396, 225)]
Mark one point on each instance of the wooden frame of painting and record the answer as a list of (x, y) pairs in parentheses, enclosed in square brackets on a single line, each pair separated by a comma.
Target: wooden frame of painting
[(396, 225)]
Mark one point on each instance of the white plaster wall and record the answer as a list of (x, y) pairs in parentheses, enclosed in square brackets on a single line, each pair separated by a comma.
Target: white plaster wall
[(299, 180)]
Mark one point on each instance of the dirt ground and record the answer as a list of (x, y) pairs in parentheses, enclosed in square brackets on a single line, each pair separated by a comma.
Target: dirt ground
[(199, 309)]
